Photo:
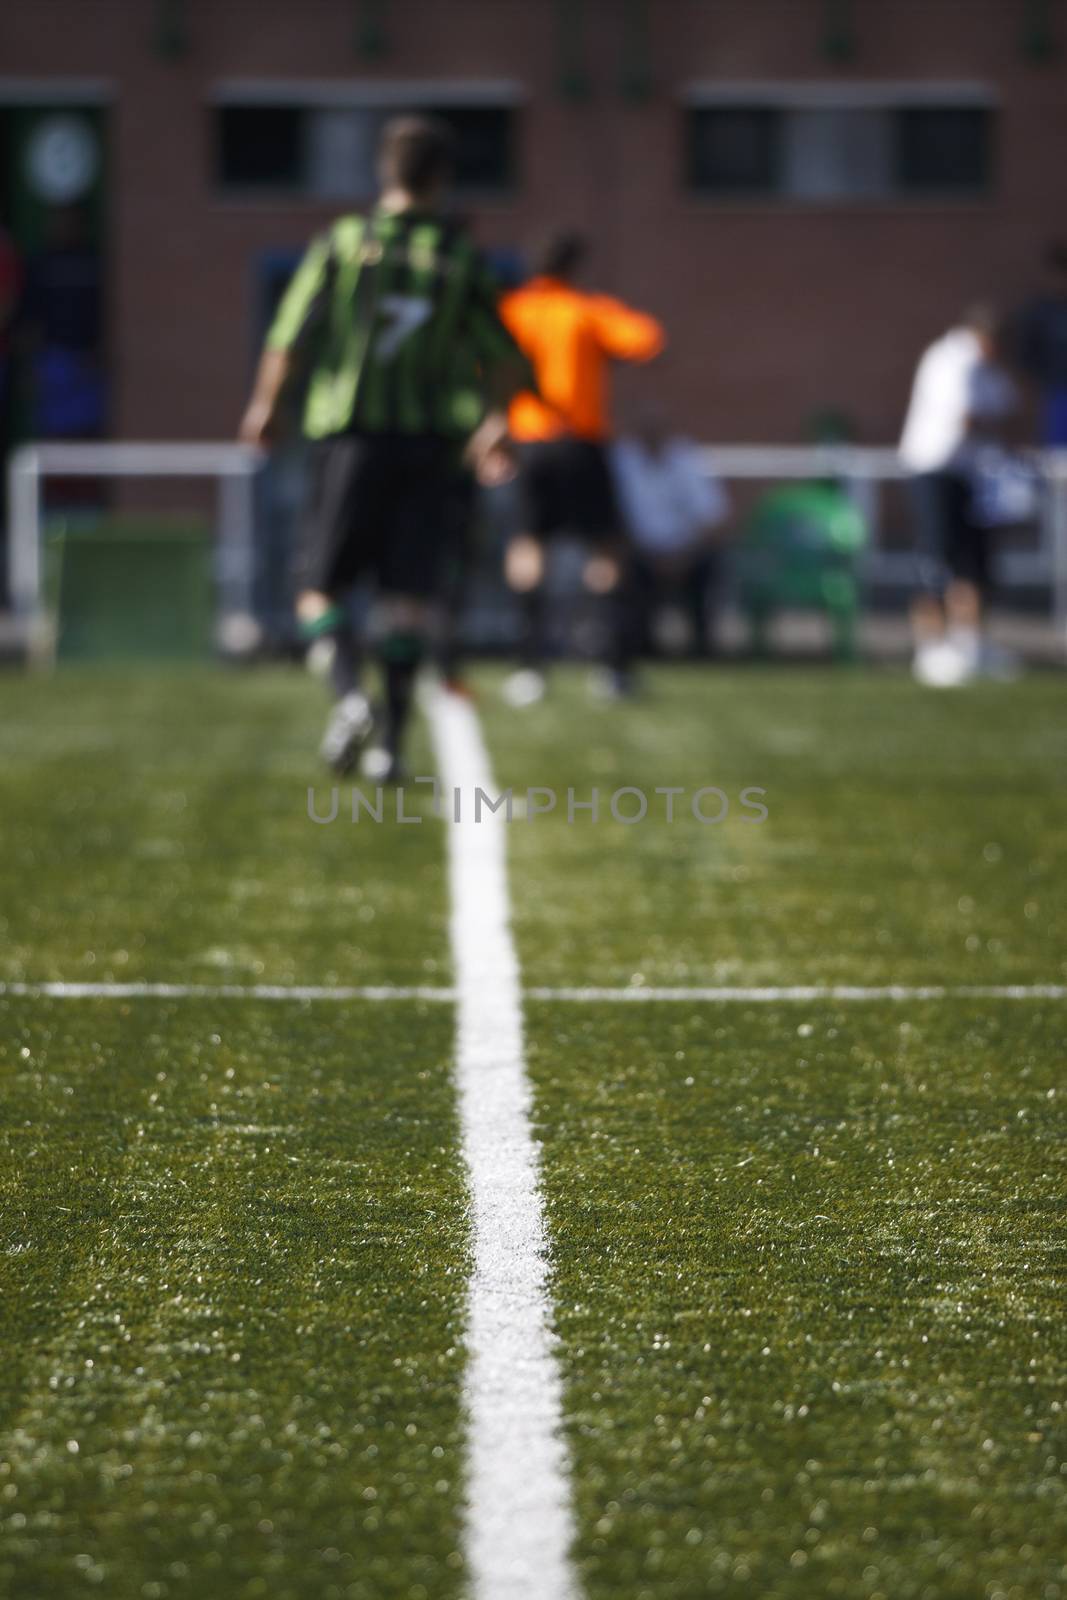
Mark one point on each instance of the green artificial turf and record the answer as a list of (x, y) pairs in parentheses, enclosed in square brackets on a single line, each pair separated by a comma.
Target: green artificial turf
[(808, 1265), (231, 1290), (804, 1258), (912, 837), (156, 827)]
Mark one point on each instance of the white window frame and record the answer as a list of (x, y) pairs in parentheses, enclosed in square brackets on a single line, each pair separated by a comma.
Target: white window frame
[(870, 95), (47, 92), (364, 95)]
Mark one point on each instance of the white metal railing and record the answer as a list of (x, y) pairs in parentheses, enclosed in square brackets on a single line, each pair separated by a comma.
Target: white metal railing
[(233, 465), (866, 469)]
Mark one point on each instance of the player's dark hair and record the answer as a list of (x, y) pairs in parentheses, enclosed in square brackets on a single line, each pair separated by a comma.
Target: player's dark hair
[(416, 153), (560, 255)]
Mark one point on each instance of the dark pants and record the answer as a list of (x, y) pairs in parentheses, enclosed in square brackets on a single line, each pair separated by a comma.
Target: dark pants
[(459, 530), (692, 588), (950, 546), (565, 487)]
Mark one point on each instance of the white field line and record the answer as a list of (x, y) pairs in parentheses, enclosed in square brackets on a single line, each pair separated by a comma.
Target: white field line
[(223, 991), (519, 1522), (590, 995), (813, 991)]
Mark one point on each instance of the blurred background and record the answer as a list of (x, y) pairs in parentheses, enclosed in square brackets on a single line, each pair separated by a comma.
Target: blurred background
[(807, 192)]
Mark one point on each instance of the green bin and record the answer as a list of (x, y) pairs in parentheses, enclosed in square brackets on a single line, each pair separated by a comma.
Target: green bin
[(130, 589)]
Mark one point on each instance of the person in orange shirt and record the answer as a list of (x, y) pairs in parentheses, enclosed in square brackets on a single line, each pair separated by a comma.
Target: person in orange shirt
[(560, 433)]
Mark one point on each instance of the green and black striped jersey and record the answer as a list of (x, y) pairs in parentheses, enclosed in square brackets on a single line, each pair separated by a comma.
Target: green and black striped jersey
[(392, 313)]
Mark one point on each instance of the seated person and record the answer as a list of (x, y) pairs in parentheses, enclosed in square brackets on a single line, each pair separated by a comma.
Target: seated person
[(673, 512)]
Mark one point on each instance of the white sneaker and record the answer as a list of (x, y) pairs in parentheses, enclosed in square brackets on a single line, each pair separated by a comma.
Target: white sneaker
[(381, 765), (524, 688), (348, 729), (941, 666), (967, 643)]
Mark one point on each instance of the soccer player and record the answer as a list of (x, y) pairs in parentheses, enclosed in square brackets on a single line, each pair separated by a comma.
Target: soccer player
[(961, 400), (561, 431), (382, 313)]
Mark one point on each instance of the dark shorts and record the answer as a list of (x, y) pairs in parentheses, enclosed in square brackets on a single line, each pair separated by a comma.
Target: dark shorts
[(460, 510), (565, 486), (375, 510), (949, 543)]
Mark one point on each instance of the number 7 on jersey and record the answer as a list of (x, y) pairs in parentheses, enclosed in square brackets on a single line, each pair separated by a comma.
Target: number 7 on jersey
[(403, 314)]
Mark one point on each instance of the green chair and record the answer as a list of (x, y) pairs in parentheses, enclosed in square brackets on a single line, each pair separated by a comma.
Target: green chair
[(799, 549)]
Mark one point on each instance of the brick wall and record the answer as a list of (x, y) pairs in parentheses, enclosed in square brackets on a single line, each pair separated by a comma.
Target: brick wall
[(775, 310)]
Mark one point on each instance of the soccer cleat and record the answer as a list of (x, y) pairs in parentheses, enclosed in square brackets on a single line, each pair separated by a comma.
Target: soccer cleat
[(347, 731), (942, 666), (382, 765), (524, 688)]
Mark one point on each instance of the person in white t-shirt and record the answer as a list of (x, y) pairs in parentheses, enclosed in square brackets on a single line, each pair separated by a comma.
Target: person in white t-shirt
[(960, 399), (673, 510)]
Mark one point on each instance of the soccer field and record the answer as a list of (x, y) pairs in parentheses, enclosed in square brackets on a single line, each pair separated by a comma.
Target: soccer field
[(796, 1089)]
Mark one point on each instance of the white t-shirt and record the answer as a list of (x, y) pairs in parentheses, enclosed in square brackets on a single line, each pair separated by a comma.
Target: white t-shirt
[(953, 381), (667, 498)]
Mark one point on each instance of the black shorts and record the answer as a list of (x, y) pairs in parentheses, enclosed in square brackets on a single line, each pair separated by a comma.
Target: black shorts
[(460, 511), (375, 510), (950, 544), (565, 486)]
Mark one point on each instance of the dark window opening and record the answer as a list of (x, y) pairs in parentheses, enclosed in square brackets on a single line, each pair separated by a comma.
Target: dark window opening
[(943, 149), (485, 145), (735, 149), (260, 146)]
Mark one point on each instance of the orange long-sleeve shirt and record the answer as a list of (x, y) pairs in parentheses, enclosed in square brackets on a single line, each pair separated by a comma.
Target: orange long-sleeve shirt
[(569, 337)]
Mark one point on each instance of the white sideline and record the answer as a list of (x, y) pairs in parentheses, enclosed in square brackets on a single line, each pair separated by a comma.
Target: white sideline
[(586, 996), (814, 991), (519, 1522), (225, 991)]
